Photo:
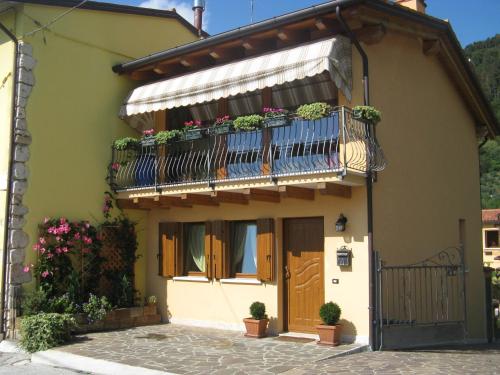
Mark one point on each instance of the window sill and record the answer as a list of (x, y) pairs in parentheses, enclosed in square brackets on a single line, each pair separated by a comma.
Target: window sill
[(202, 279), (241, 280)]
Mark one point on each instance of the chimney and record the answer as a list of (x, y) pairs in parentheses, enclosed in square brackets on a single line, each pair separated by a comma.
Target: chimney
[(418, 5), (198, 7)]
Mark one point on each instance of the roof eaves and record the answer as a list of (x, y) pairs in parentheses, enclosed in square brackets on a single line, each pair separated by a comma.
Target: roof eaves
[(117, 8)]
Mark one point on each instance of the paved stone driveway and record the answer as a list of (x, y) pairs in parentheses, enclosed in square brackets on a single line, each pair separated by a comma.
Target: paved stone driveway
[(466, 360), (188, 350)]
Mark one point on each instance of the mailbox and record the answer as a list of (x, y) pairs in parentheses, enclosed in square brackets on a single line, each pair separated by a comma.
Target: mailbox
[(344, 256)]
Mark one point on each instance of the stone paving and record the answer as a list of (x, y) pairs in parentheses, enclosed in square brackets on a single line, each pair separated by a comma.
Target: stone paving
[(187, 350), (483, 359)]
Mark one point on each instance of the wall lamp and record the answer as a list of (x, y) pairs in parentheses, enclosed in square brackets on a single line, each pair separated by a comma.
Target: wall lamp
[(340, 224)]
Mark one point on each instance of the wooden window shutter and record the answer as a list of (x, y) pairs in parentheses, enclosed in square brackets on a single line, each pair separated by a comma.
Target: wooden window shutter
[(220, 249), (170, 257), (265, 249), (208, 250)]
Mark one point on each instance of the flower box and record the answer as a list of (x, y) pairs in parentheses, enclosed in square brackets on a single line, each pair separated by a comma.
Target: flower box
[(192, 134), (148, 141), (221, 129), (272, 122)]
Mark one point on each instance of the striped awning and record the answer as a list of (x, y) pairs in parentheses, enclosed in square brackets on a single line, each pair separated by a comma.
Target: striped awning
[(256, 73)]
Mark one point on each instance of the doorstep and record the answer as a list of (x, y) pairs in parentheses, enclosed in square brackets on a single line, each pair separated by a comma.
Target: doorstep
[(301, 335)]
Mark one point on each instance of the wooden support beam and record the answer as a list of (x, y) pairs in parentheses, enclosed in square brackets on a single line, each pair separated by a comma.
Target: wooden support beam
[(287, 35), (142, 75), (262, 195), (127, 204), (371, 34), (343, 191), (296, 192), (174, 202), (431, 47), (193, 62), (200, 199), (226, 54), (324, 23), (253, 44), (229, 197), (148, 203)]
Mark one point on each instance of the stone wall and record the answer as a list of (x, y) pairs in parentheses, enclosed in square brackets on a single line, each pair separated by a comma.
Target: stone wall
[(17, 238)]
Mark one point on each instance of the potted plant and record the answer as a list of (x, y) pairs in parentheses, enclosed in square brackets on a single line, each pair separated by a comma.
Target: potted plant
[(150, 307), (248, 123), (167, 136), (256, 326), (127, 143), (275, 117), (367, 114), (222, 125), (314, 111), (192, 130), (148, 138), (329, 331)]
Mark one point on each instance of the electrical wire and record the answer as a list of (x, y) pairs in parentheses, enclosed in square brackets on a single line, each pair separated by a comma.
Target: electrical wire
[(46, 26)]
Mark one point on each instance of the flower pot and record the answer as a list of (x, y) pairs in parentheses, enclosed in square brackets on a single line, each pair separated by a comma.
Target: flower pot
[(256, 328), (148, 141), (329, 335), (272, 122), (221, 129), (193, 134), (150, 309)]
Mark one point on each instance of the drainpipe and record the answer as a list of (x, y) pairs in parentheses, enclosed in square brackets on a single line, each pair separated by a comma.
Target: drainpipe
[(369, 180), (9, 177)]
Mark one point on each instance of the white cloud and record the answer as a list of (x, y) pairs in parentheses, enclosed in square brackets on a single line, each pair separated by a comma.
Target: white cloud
[(184, 8)]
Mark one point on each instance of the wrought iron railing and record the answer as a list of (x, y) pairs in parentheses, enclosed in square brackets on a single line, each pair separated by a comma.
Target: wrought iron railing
[(337, 143)]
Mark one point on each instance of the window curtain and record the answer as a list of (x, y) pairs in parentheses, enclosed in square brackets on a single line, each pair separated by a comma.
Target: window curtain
[(250, 256), (239, 239), (196, 245)]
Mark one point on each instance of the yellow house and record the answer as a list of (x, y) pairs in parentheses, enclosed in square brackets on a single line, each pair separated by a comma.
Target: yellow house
[(63, 119), (235, 217), (294, 212), (491, 237)]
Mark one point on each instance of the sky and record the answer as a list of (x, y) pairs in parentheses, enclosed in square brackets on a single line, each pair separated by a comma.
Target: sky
[(472, 20)]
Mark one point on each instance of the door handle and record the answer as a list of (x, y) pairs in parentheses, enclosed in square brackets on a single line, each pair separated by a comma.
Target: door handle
[(287, 273)]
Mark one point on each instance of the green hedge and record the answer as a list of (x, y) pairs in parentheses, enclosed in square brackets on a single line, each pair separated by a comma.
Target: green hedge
[(45, 331)]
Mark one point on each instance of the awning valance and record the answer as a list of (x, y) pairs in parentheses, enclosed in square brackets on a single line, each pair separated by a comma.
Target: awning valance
[(307, 60)]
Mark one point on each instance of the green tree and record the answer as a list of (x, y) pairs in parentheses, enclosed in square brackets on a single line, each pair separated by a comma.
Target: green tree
[(485, 57)]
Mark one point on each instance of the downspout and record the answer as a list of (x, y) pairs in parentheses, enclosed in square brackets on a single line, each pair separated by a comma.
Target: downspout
[(483, 142), (9, 177), (369, 181)]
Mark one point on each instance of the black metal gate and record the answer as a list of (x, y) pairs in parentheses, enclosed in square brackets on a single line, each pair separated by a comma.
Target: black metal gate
[(422, 303)]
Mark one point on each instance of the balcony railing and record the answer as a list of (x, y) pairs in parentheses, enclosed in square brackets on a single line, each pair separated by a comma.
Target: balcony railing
[(338, 143)]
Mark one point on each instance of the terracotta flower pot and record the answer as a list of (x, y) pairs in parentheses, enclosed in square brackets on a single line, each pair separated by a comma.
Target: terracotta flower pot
[(329, 335), (256, 328)]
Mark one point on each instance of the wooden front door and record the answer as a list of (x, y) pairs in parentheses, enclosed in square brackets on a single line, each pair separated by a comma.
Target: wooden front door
[(304, 279)]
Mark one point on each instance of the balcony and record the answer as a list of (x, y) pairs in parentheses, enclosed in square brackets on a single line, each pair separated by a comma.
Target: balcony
[(302, 150)]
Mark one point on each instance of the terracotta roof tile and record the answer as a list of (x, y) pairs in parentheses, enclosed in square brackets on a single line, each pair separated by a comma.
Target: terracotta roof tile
[(491, 216)]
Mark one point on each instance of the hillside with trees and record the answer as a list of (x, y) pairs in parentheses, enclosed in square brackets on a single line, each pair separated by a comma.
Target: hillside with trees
[(485, 57)]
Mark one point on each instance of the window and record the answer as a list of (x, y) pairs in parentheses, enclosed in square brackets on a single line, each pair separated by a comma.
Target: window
[(243, 247), (491, 237), (194, 249), (217, 249)]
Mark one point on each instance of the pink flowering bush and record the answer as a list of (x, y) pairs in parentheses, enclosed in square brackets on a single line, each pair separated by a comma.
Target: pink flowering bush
[(68, 258), (193, 124), (274, 112)]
